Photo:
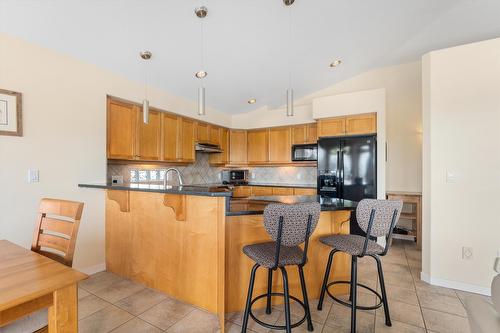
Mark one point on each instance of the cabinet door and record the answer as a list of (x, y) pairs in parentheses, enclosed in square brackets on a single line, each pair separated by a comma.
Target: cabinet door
[(149, 137), (304, 191), (214, 133), (280, 149), (187, 128), (312, 133), (221, 158), (258, 146), (242, 191), (361, 124), (122, 128), (331, 127), (238, 147), (170, 137), (262, 191), (299, 134), (282, 190), (202, 133)]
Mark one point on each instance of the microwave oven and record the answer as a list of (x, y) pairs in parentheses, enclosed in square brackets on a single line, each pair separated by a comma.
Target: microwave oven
[(234, 176), (307, 152)]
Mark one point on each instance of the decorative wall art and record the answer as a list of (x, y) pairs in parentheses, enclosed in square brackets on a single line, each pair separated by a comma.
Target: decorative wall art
[(10, 113)]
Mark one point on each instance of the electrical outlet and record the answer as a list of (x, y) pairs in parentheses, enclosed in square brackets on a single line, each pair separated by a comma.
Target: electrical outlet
[(451, 177), (299, 176), (467, 253), (33, 176)]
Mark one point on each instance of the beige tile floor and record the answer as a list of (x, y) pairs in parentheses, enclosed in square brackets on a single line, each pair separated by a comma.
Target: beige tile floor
[(109, 303)]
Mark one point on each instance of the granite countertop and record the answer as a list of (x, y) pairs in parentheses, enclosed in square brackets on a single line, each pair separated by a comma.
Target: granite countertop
[(198, 190), (255, 205)]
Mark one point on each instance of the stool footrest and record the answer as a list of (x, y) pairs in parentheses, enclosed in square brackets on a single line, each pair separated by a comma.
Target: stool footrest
[(278, 327), (349, 305)]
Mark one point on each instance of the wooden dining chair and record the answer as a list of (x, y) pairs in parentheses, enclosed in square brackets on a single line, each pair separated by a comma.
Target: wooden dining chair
[(56, 230)]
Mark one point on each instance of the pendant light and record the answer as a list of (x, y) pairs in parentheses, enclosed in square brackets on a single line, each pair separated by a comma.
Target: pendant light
[(201, 12), (145, 55), (289, 91)]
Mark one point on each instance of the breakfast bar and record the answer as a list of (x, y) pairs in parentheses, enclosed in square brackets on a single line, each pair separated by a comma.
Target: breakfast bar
[(187, 242)]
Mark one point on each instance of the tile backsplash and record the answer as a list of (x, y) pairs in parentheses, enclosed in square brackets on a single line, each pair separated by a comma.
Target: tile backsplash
[(202, 173)]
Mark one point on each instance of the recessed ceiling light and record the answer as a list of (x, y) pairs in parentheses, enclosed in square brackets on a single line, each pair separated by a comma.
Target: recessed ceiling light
[(336, 63), (201, 74), (252, 101)]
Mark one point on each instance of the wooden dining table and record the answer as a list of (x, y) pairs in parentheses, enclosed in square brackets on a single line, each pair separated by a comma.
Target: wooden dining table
[(30, 282)]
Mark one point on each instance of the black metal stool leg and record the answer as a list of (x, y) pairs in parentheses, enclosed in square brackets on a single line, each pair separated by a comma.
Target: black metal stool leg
[(384, 293), (249, 299), (269, 290), (325, 280), (310, 327), (288, 322), (354, 282)]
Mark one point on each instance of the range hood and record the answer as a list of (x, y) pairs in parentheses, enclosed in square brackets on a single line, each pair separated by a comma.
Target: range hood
[(207, 148)]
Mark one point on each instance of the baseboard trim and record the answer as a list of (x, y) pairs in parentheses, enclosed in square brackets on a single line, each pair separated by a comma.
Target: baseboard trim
[(471, 288), (93, 269)]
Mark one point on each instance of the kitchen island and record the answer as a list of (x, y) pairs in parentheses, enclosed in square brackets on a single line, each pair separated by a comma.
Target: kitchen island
[(186, 241)]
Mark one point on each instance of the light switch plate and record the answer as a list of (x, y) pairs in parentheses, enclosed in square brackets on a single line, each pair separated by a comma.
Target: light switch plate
[(451, 177), (33, 176)]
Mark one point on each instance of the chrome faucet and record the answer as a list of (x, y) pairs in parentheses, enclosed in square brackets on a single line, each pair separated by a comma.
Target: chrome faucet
[(179, 176)]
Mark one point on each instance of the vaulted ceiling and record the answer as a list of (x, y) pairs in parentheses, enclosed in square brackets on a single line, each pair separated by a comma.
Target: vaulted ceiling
[(247, 41)]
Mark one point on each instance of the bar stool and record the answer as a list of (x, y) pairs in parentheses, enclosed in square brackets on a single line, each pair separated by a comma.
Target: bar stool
[(377, 218), (288, 226)]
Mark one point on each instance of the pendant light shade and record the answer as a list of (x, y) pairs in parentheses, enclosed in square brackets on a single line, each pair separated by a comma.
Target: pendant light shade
[(201, 101), (289, 102), (145, 111)]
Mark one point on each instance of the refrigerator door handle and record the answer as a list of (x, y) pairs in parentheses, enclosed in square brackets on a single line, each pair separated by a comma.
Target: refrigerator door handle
[(337, 172)]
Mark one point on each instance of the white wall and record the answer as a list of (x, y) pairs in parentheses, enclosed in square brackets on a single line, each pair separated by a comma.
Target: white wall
[(64, 119), (461, 124), (403, 123)]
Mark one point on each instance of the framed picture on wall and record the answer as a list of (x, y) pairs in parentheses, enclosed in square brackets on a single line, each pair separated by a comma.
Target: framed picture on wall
[(10, 113)]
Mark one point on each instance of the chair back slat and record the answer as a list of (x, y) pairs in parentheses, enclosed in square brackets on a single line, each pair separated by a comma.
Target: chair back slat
[(57, 227)]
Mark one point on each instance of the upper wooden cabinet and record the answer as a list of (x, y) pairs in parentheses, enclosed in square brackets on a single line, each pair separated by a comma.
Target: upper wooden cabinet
[(331, 127), (238, 147), (306, 133), (214, 134), (202, 132), (170, 137), (187, 131), (280, 145), (221, 158), (361, 124), (121, 130), (258, 146), (149, 137), (348, 125)]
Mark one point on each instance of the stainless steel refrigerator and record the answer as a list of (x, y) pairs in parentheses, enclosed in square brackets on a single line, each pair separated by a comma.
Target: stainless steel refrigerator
[(347, 168)]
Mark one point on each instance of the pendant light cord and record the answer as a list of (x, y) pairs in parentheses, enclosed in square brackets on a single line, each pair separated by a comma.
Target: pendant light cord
[(290, 47)]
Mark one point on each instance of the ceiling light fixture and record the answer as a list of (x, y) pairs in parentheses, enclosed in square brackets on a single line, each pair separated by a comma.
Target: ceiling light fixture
[(289, 91), (145, 55), (252, 101), (336, 63), (201, 12)]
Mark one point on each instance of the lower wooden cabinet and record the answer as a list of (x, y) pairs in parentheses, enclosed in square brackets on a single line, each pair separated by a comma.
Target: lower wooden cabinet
[(304, 191), (242, 192), (282, 190), (262, 191)]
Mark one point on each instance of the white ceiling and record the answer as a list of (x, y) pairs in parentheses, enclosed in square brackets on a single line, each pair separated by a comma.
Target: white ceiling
[(246, 41)]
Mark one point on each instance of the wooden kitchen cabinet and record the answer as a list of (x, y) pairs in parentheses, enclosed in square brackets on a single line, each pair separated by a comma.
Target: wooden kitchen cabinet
[(262, 190), (331, 126), (304, 191), (361, 124), (214, 134), (238, 147), (170, 137), (242, 191), (299, 134), (258, 146), (202, 132), (221, 158), (312, 133), (121, 130), (187, 131), (279, 145), (282, 190), (149, 137)]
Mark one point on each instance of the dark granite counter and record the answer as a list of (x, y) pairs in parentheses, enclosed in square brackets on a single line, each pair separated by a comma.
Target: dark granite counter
[(256, 205), (199, 190)]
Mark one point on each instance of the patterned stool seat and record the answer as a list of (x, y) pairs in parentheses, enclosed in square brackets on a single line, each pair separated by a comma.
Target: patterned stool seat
[(352, 244), (264, 254)]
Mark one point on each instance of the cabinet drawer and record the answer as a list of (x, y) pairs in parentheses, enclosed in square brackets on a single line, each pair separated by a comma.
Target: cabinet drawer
[(304, 191), (242, 191), (262, 191), (282, 191)]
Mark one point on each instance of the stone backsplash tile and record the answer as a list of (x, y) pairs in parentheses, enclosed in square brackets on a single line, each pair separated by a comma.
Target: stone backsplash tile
[(202, 173)]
